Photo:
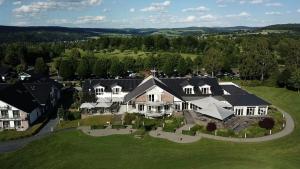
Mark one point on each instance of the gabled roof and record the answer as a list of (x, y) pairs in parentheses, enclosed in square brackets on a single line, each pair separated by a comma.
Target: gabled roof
[(173, 84), (146, 85), (234, 90), (245, 100), (17, 96), (126, 84)]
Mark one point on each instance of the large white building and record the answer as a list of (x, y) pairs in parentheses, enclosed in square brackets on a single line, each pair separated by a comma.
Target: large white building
[(155, 97)]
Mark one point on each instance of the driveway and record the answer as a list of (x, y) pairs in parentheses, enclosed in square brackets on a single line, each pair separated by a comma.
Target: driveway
[(14, 145)]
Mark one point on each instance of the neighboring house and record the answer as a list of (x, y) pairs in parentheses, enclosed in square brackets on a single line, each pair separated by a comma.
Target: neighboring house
[(155, 97), (23, 103), (18, 108), (30, 74)]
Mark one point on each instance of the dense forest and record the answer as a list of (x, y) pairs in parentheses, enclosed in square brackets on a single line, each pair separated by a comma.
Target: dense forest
[(272, 58)]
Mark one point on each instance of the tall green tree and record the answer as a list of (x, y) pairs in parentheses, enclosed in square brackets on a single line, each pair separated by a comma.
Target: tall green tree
[(66, 70), (40, 66), (101, 67), (83, 70), (116, 68), (182, 67), (295, 80), (213, 61)]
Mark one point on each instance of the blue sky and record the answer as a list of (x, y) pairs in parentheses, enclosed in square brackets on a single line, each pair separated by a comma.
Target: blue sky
[(148, 13)]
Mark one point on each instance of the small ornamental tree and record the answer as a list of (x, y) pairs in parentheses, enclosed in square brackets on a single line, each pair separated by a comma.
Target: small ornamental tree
[(267, 123), (211, 126)]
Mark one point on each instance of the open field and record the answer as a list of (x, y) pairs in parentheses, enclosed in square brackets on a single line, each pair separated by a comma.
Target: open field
[(73, 149), (131, 53)]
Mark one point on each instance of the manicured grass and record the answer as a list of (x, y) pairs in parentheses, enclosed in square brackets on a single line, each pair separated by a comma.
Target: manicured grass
[(73, 149)]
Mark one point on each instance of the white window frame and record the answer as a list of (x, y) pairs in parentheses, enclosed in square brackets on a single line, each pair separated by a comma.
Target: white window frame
[(250, 111), (99, 91)]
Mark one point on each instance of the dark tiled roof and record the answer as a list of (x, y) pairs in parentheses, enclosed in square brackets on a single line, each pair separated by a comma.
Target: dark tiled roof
[(174, 85), (127, 85), (245, 100), (4, 70), (4, 86), (147, 85), (17, 96), (234, 90), (40, 91)]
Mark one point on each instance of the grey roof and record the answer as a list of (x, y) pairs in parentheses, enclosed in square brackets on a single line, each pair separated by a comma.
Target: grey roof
[(216, 112), (245, 100), (205, 102), (126, 84), (174, 84), (139, 90), (234, 90), (40, 91), (17, 96), (171, 85), (4, 70)]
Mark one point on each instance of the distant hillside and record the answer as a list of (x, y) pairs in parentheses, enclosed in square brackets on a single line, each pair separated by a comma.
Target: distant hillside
[(284, 27), (52, 33)]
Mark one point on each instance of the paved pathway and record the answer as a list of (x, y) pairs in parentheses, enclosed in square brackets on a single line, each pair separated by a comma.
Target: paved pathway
[(107, 131), (14, 145), (188, 117), (175, 137)]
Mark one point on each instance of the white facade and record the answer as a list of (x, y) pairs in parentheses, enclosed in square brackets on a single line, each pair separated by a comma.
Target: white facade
[(116, 94), (14, 118), (250, 110)]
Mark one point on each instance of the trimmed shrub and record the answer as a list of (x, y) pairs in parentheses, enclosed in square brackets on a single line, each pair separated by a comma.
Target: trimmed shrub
[(117, 126), (211, 127), (129, 118), (189, 132), (197, 128), (267, 123), (93, 127)]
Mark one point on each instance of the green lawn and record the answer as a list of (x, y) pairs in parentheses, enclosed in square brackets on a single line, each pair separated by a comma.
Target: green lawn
[(73, 149)]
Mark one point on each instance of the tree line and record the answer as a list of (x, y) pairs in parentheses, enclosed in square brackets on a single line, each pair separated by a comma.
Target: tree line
[(258, 57)]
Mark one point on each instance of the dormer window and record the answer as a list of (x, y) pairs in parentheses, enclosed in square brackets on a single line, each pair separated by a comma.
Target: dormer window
[(205, 89), (188, 89), (99, 91), (116, 90)]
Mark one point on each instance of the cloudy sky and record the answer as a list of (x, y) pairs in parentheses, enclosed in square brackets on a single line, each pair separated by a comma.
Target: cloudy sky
[(148, 13)]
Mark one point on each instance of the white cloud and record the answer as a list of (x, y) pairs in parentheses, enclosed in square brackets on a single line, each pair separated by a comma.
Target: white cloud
[(274, 4), (156, 7), (208, 18), (242, 14), (42, 6), (17, 3), (1, 2), (298, 10), (132, 10), (197, 9), (273, 13), (241, 1), (189, 19), (89, 19)]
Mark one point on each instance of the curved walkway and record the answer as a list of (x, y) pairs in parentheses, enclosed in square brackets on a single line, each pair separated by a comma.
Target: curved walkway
[(13, 145), (180, 138)]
